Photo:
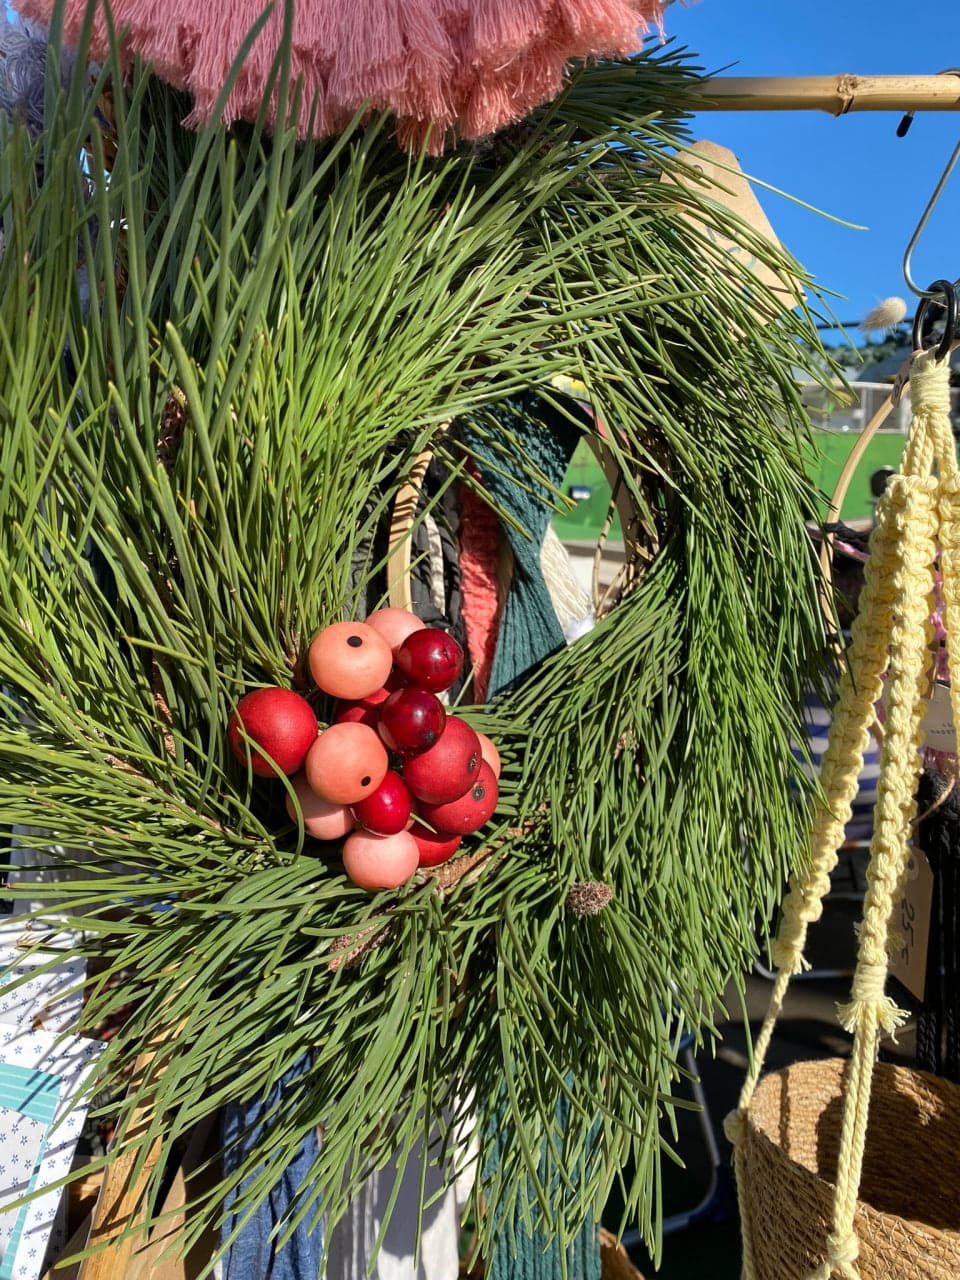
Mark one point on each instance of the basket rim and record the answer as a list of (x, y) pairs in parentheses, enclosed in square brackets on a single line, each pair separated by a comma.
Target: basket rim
[(834, 1068)]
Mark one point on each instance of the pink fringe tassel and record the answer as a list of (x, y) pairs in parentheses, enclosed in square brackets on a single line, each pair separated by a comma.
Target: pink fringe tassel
[(441, 67), (479, 563)]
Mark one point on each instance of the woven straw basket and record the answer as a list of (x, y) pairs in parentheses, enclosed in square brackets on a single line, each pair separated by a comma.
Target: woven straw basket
[(908, 1214)]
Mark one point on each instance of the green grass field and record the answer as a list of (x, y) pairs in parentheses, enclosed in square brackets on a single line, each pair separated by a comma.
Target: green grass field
[(828, 452)]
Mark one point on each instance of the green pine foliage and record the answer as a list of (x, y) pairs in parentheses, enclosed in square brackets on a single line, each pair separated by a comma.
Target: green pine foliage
[(216, 366)]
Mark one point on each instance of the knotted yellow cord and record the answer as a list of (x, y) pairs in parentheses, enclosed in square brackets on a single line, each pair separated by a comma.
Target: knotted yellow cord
[(892, 633)]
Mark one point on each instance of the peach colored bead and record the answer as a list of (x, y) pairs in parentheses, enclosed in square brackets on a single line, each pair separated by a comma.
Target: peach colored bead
[(349, 660), (394, 624), (321, 819), (380, 862), (489, 753), (346, 763)]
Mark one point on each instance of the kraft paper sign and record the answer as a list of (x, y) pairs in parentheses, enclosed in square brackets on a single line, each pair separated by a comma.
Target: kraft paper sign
[(715, 172)]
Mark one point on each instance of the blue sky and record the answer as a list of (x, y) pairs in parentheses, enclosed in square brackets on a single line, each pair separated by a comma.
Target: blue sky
[(854, 166)]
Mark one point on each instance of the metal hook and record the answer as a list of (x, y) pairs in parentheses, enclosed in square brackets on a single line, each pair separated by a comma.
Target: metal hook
[(938, 191), (920, 334)]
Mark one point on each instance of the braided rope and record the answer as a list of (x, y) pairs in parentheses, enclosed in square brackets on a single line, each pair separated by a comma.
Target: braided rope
[(892, 633), (870, 1011)]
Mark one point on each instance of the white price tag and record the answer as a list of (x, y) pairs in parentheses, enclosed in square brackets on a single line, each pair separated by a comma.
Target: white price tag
[(939, 731), (911, 925)]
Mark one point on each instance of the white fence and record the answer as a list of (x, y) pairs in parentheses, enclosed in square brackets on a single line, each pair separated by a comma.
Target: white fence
[(834, 409)]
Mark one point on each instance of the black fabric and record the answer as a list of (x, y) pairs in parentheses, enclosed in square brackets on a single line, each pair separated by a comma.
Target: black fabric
[(442, 500), (443, 516), (938, 1048)]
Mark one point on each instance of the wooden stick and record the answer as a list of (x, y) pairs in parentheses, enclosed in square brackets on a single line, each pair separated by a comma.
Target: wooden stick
[(401, 535), (121, 1204), (836, 94), (121, 1201)]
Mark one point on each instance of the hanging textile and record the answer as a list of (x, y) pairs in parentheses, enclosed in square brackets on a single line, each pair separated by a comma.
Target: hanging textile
[(938, 1021), (254, 1254), (530, 632), (437, 65)]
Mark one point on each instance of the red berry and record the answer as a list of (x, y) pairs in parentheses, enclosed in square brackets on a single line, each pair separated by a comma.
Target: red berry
[(346, 763), (448, 768), (411, 720), (380, 862), (386, 810), (280, 722), (468, 812), (430, 658), (435, 846), (357, 713), (349, 660)]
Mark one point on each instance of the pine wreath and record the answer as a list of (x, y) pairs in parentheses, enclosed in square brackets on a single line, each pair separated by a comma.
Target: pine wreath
[(222, 353)]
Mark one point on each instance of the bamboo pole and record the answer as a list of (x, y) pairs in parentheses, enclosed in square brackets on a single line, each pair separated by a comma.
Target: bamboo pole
[(836, 94)]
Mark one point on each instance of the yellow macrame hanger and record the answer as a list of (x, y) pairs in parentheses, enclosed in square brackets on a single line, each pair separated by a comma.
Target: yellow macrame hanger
[(890, 653)]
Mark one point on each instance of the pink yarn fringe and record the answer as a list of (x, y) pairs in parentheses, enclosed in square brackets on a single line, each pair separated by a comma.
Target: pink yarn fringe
[(441, 67), (479, 563)]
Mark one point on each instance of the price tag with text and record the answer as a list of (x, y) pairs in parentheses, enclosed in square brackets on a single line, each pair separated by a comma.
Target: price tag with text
[(911, 925), (938, 727)]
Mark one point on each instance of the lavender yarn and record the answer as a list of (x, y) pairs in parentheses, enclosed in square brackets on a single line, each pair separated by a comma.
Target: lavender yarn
[(23, 66), (23, 70)]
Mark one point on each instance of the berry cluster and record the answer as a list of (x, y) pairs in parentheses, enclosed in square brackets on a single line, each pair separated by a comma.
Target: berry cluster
[(395, 776)]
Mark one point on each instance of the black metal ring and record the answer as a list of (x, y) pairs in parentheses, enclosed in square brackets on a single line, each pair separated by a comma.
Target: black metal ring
[(947, 289)]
